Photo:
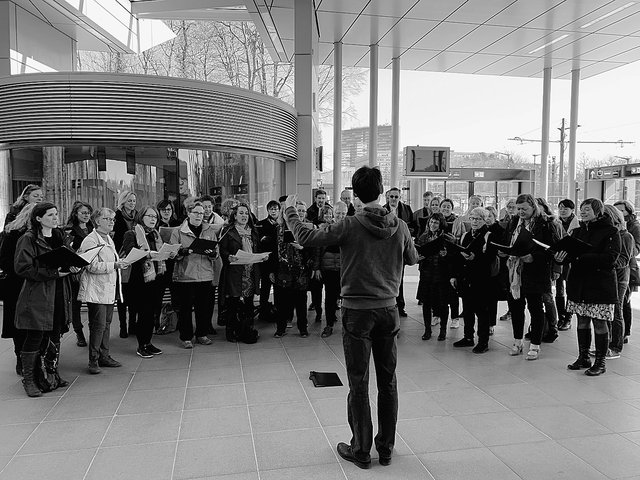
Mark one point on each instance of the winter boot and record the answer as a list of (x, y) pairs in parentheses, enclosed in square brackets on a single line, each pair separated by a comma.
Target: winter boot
[(599, 366), (81, 341), (28, 363), (584, 342)]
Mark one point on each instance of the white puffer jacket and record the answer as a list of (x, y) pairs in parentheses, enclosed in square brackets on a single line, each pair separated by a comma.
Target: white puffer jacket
[(99, 280)]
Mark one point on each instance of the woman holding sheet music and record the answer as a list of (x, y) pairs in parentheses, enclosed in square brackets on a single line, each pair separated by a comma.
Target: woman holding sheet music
[(145, 279), (100, 286), (194, 274), (530, 274), (592, 283), (43, 309), (77, 228), (239, 283), (433, 289)]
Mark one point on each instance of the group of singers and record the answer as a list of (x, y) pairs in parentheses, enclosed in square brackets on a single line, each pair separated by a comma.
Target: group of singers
[(473, 260)]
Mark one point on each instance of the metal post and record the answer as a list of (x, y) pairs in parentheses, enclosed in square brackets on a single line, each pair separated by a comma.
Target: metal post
[(573, 133), (395, 119), (561, 172), (546, 113), (373, 105), (337, 120)]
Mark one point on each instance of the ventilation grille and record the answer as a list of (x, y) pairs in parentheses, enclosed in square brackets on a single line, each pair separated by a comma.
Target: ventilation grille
[(76, 109)]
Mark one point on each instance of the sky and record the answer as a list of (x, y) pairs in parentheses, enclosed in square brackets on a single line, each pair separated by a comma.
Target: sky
[(477, 113)]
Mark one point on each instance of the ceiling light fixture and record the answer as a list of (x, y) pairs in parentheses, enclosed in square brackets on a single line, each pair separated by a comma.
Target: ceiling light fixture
[(612, 12), (561, 37)]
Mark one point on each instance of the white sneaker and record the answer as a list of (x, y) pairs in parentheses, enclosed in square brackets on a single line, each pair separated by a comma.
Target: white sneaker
[(435, 321), (455, 323), (532, 354)]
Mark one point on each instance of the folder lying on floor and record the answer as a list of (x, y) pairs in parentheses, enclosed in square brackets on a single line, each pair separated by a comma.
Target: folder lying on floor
[(325, 379)]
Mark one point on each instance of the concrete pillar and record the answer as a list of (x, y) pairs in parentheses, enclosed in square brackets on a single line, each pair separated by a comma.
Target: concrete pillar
[(5, 37), (395, 119), (373, 105), (306, 39), (337, 120), (544, 151), (573, 133)]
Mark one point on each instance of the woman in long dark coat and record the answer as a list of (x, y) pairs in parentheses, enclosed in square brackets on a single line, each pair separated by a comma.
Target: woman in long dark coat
[(239, 283), (592, 284), (44, 303)]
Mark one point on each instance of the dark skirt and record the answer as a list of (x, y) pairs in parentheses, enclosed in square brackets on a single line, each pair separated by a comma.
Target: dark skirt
[(436, 293)]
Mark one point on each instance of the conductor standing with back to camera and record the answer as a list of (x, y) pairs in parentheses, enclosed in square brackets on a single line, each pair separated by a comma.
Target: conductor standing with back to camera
[(370, 320)]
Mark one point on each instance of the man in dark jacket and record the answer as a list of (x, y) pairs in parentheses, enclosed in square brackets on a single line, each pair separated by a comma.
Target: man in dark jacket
[(320, 200), (369, 315), (268, 243), (403, 212)]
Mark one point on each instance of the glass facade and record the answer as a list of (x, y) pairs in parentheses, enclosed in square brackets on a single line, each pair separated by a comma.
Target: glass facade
[(97, 174)]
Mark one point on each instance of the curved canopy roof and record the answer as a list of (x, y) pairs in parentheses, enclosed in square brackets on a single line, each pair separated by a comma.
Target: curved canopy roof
[(493, 37)]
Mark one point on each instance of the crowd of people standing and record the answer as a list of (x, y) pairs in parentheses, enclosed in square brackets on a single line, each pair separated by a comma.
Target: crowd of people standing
[(473, 262)]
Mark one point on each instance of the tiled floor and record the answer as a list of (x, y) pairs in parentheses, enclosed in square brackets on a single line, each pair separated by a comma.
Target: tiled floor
[(240, 412)]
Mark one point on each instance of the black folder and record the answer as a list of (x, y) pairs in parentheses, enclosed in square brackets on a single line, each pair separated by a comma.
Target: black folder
[(432, 247), (62, 257), (469, 248), (199, 245), (572, 245), (325, 379), (523, 245)]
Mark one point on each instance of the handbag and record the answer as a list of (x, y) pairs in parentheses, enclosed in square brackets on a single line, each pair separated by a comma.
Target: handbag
[(168, 322), (46, 374)]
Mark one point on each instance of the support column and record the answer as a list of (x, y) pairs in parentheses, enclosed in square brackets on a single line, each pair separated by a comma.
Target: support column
[(306, 38), (373, 105), (395, 119), (5, 38), (544, 151), (573, 134), (337, 121)]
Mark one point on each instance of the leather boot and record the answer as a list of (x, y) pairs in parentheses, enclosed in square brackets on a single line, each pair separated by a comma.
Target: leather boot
[(61, 382), (599, 366), (584, 342), (231, 320), (28, 363), (19, 364)]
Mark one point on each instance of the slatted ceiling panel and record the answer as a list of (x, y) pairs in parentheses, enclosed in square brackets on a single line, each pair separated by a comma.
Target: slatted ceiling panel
[(443, 61), (434, 10), (629, 56), (629, 25), (368, 30), (480, 38), (479, 11), (504, 64), (519, 40), (407, 32), (82, 110), (605, 52), (474, 62)]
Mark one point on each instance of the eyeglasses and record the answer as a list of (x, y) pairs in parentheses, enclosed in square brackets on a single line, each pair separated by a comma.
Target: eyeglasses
[(84, 213), (155, 217), (394, 196), (168, 209), (109, 219), (198, 213)]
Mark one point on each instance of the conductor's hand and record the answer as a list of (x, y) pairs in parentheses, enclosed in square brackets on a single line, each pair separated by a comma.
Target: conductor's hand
[(296, 245), (74, 269), (291, 201), (560, 256), (527, 258), (61, 273), (233, 258)]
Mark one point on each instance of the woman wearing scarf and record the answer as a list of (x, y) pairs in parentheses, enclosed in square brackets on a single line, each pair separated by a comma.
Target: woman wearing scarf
[(531, 275), (239, 282), (446, 208), (592, 284), (433, 289), (125, 217), (569, 222), (144, 280)]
